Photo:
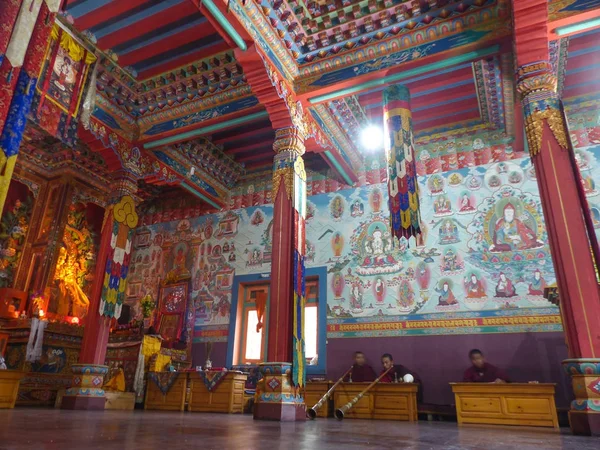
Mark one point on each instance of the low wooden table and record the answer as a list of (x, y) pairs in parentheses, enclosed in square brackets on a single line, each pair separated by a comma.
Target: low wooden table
[(173, 400), (9, 387), (524, 404), (388, 401), (226, 397), (313, 392)]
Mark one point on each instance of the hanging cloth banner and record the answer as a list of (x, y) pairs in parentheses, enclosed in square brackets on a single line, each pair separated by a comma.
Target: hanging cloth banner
[(22, 31), (403, 189), (123, 220), (63, 81)]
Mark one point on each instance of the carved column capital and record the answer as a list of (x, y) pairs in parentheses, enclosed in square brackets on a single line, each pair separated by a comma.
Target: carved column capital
[(536, 85), (289, 139)]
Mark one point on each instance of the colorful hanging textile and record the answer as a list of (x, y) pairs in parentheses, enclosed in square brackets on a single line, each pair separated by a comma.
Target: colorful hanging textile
[(163, 380), (124, 220), (212, 379), (405, 216), (22, 31), (63, 81), (299, 203)]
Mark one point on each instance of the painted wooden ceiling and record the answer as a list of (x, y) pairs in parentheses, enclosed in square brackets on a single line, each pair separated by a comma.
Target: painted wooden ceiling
[(148, 37), (169, 76)]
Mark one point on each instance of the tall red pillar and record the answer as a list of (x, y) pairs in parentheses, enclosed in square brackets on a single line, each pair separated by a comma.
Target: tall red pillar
[(279, 394), (563, 207), (106, 300)]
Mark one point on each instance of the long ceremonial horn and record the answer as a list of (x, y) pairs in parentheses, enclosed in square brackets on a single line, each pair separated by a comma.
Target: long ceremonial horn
[(312, 412), (340, 412)]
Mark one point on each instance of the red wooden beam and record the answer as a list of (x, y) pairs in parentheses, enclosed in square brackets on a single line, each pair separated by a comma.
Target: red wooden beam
[(577, 18), (183, 61), (218, 28), (169, 43), (145, 25), (246, 148), (206, 123), (267, 129), (106, 13)]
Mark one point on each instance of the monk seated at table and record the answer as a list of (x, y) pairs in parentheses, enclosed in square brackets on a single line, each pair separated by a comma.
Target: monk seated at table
[(361, 371), (483, 372), (399, 374)]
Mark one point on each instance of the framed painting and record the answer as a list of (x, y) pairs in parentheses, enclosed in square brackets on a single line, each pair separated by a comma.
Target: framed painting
[(172, 302)]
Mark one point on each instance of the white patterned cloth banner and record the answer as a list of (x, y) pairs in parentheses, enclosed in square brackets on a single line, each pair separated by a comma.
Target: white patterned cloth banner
[(21, 35), (36, 340)]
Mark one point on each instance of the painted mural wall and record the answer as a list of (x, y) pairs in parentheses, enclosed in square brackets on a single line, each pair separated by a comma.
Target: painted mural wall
[(482, 267)]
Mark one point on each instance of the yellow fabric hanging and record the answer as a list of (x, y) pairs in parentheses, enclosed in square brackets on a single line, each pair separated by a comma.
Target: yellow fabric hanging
[(160, 363), (116, 383), (150, 346), (76, 51)]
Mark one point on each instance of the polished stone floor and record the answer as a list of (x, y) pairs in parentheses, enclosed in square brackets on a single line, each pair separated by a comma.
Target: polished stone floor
[(41, 429)]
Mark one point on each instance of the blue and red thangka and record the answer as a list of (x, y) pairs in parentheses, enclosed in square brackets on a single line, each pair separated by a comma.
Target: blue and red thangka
[(405, 215), (124, 220)]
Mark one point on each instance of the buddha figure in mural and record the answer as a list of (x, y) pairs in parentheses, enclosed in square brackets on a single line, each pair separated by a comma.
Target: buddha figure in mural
[(538, 284), (505, 287), (512, 234), (466, 205), (474, 287), (446, 297), (406, 296), (448, 232)]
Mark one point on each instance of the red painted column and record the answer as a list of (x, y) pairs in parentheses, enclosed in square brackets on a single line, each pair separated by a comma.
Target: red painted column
[(279, 395), (120, 219), (563, 206)]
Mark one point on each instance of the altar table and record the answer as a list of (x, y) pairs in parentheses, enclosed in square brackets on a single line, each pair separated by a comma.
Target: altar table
[(9, 387), (227, 396), (313, 392), (172, 395), (524, 404), (388, 401)]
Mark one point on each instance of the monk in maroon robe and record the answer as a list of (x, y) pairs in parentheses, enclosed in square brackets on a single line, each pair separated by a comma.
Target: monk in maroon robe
[(483, 372), (361, 371), (397, 373)]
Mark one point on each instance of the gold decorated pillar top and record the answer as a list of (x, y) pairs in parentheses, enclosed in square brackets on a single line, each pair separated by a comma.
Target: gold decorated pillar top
[(289, 139), (288, 163), (537, 88)]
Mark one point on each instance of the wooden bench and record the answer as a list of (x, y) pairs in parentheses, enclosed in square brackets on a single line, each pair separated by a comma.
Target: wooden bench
[(388, 401), (521, 404), (173, 400), (227, 397), (313, 392)]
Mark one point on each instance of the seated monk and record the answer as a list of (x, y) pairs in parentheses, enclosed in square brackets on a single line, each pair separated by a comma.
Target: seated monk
[(361, 371), (482, 372), (397, 373)]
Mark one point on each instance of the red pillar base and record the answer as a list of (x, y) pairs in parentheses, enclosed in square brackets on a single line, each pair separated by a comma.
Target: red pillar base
[(276, 398), (86, 392), (584, 415)]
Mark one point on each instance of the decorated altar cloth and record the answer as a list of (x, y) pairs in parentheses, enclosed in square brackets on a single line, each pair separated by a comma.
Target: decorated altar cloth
[(163, 380), (212, 378)]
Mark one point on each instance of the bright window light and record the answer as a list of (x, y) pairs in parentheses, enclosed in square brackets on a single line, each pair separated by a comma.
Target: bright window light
[(371, 137), (253, 339), (310, 331)]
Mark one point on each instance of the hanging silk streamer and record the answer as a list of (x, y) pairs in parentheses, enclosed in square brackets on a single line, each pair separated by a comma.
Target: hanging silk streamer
[(299, 370), (124, 220), (405, 216)]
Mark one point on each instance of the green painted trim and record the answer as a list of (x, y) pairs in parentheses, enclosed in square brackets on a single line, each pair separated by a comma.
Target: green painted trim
[(199, 195), (444, 63), (205, 130), (578, 27), (338, 167), (218, 15)]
